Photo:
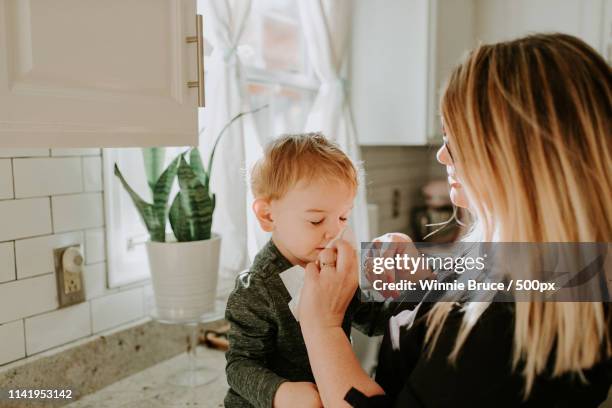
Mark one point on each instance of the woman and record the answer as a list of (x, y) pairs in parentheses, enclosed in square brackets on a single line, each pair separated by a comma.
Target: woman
[(527, 150)]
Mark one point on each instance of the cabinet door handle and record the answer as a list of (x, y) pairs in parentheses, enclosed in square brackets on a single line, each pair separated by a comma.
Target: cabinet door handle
[(199, 40)]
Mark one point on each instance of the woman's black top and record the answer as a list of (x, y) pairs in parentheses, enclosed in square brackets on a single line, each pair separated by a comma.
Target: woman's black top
[(482, 375)]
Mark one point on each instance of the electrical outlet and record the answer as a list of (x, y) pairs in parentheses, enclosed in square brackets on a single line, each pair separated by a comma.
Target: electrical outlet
[(69, 274)]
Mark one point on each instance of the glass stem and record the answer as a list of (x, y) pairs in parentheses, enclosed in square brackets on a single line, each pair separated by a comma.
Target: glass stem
[(192, 352)]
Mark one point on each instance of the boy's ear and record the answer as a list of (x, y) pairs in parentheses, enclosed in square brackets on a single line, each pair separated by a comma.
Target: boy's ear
[(263, 213)]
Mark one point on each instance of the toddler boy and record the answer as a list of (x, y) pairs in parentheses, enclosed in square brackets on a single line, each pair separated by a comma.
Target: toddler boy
[(304, 187)]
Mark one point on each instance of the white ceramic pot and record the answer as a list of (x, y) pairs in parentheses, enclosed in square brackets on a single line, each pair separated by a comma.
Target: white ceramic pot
[(184, 276)]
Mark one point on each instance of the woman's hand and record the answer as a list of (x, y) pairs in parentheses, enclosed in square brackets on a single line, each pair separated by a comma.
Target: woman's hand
[(297, 394), (329, 287), (326, 294)]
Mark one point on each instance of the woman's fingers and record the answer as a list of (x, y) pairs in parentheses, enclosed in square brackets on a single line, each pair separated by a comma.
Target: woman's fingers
[(346, 262), (311, 272), (327, 257)]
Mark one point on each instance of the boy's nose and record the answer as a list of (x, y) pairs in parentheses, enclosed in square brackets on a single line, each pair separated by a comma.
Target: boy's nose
[(333, 231)]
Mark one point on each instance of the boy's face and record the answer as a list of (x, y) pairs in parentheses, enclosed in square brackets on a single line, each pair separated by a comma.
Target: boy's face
[(307, 218)]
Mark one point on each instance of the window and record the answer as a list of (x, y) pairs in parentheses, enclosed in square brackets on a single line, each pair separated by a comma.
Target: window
[(273, 52), (125, 233), (272, 39)]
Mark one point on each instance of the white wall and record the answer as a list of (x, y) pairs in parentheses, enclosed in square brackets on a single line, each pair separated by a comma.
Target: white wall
[(498, 20)]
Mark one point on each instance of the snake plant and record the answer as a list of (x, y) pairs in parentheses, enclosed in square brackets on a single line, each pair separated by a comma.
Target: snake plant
[(192, 208)]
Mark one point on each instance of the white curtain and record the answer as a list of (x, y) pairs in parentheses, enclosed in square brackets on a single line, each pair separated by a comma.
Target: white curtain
[(326, 25), (224, 22)]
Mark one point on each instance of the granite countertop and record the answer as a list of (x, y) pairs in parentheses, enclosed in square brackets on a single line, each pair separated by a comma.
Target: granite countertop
[(154, 387)]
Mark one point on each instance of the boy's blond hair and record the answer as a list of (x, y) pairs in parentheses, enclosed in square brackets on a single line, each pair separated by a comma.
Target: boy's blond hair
[(301, 157)]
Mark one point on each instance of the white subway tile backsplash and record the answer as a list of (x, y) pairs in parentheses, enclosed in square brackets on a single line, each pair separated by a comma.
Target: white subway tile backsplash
[(79, 211), (118, 308), (55, 328), (27, 297), (51, 198), (95, 246), (94, 277), (13, 345), (7, 262), (47, 176), (35, 255), (76, 152), (24, 152), (6, 179), (405, 169), (92, 173), (24, 218)]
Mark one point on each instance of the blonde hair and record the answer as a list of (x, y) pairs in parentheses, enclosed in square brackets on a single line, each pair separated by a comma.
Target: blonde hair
[(529, 129), (302, 157)]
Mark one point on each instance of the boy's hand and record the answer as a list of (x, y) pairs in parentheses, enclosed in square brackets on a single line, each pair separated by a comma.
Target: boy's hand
[(297, 394), (398, 245)]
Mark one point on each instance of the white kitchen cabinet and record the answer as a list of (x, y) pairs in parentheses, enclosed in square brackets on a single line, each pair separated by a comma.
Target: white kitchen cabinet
[(606, 41), (91, 73), (402, 51), (451, 36)]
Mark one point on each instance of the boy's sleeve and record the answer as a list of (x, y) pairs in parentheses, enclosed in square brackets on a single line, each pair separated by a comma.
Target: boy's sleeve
[(251, 341)]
